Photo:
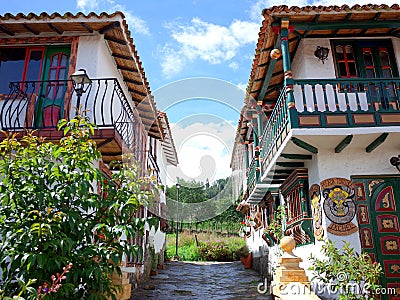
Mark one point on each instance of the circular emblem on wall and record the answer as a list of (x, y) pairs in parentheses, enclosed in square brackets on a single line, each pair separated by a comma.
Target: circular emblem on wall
[(339, 205)]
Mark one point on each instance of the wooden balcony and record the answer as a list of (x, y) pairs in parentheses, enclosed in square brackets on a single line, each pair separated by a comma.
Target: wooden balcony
[(39, 105), (367, 110)]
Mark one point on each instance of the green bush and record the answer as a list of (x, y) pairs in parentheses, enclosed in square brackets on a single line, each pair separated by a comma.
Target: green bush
[(51, 215), (218, 251), (344, 268)]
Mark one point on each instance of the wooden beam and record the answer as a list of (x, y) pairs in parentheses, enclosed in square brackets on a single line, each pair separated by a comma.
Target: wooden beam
[(27, 27), (290, 164), (343, 144), (137, 92), (379, 140), (127, 69), (6, 31), (270, 71), (114, 40), (133, 81), (88, 29), (54, 28), (105, 142), (304, 145), (296, 156), (287, 172), (109, 27), (122, 56)]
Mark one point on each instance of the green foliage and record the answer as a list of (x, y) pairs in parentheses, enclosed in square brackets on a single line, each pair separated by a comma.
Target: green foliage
[(52, 213), (211, 247), (242, 251), (275, 226), (351, 273), (195, 192)]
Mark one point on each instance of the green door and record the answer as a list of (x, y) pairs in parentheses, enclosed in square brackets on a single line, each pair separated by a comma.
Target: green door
[(378, 212), (50, 105)]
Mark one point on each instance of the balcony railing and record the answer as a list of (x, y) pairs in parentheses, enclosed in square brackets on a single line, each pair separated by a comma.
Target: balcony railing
[(331, 103), (152, 166), (347, 95), (253, 173), (40, 105)]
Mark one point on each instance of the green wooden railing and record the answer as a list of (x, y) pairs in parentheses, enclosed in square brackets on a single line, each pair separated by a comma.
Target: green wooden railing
[(348, 95), (274, 132), (253, 173), (378, 99)]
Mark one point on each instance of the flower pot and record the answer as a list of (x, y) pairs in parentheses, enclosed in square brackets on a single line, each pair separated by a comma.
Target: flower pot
[(247, 261), (153, 272)]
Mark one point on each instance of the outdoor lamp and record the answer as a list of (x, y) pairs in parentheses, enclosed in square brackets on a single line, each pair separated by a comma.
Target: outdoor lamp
[(321, 53), (395, 161), (178, 186), (81, 83)]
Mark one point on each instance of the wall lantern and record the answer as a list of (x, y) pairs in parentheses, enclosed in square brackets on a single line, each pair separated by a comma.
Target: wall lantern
[(81, 83), (321, 53), (395, 161)]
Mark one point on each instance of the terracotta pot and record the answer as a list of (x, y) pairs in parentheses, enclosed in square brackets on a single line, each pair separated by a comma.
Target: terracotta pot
[(152, 272), (247, 261)]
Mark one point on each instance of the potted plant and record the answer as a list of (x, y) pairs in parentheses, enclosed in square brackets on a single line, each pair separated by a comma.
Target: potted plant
[(245, 256)]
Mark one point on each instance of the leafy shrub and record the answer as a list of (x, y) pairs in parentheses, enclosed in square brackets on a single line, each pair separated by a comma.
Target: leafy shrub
[(352, 274), (52, 214), (218, 251)]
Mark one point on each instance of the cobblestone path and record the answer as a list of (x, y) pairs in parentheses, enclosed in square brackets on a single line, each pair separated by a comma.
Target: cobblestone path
[(201, 281)]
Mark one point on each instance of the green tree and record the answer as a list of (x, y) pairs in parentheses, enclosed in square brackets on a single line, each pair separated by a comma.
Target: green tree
[(52, 214)]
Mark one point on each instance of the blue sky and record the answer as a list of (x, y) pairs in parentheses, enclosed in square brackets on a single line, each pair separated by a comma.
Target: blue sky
[(180, 39)]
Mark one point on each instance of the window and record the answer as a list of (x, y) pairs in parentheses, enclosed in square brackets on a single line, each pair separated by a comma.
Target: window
[(19, 64), (364, 59), (345, 61)]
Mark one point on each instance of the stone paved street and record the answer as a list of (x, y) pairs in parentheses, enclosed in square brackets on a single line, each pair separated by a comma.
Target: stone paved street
[(201, 281)]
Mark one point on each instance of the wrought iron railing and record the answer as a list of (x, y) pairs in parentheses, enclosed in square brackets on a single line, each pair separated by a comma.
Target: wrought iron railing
[(152, 166), (40, 104)]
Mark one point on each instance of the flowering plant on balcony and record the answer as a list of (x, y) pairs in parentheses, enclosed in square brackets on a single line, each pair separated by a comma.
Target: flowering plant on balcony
[(251, 221), (245, 229)]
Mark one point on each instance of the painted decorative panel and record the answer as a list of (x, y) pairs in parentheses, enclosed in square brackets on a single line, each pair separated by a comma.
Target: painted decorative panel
[(315, 196), (388, 223), (385, 200), (379, 225), (339, 205), (362, 214)]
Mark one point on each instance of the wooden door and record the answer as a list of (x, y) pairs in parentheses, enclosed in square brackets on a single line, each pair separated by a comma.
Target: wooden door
[(378, 212)]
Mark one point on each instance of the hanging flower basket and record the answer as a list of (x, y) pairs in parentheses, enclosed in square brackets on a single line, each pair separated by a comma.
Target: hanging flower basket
[(243, 207)]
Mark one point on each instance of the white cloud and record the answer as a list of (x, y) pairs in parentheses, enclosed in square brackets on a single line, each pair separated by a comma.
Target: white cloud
[(234, 65), (136, 24), (172, 63), (204, 151), (209, 42)]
